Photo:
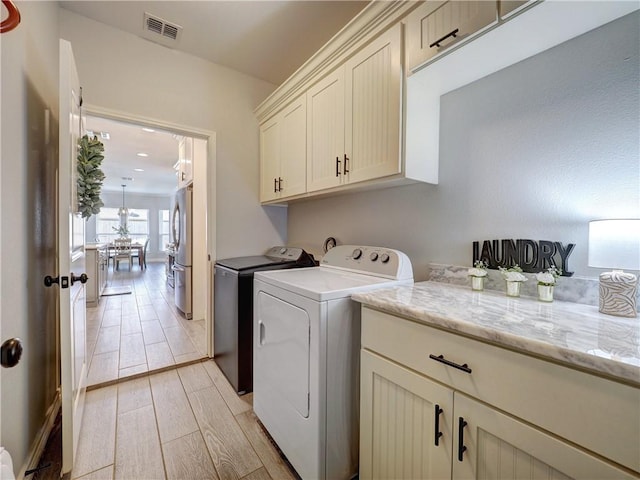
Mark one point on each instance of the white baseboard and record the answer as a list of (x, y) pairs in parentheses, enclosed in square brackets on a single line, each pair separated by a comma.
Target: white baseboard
[(40, 442)]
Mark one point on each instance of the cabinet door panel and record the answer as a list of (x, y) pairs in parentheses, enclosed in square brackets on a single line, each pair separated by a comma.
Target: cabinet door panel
[(397, 423), (269, 159), (501, 447), (293, 149), (432, 26), (373, 101), (325, 123)]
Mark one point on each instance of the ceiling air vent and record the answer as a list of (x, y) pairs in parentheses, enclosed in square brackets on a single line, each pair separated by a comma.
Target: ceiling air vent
[(155, 27)]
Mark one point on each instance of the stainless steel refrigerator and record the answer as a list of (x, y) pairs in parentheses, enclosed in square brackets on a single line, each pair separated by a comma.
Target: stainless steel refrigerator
[(182, 237)]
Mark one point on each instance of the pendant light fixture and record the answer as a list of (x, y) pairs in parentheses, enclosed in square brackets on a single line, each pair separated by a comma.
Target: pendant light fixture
[(123, 211)]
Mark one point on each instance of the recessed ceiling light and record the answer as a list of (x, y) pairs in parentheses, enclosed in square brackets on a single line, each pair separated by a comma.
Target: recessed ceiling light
[(142, 154), (147, 129), (105, 135), (138, 169)]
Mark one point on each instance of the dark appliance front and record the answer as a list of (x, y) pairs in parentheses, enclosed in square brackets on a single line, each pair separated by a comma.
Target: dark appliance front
[(233, 309)]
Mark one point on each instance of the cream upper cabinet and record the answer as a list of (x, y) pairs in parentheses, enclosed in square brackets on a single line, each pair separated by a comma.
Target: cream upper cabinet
[(435, 26), (184, 166), (373, 106), (325, 132), (435, 404), (283, 152), (354, 117), (507, 8)]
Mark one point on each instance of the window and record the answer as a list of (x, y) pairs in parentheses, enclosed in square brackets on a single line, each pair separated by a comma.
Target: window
[(106, 221), (138, 224), (163, 222)]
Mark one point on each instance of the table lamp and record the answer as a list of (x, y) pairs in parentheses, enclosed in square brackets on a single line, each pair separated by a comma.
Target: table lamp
[(616, 244)]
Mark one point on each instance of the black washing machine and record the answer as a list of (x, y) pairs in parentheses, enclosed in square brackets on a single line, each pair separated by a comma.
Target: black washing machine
[(233, 309)]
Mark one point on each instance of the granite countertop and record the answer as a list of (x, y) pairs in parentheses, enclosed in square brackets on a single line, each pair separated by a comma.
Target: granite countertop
[(94, 246), (573, 334)]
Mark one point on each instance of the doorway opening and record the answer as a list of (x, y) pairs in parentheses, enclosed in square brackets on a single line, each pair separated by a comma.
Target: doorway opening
[(133, 326)]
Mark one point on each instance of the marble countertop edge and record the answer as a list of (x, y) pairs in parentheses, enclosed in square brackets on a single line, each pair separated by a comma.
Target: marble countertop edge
[(400, 301)]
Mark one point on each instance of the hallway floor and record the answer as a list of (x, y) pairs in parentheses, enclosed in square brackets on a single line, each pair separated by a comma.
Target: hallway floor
[(142, 331), (184, 423)]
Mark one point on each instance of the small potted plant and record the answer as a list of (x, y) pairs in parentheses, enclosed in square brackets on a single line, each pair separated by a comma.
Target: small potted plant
[(514, 278), (121, 230), (546, 281), (478, 275)]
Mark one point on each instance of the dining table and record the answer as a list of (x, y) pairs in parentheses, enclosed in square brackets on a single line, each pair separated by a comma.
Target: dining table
[(135, 247)]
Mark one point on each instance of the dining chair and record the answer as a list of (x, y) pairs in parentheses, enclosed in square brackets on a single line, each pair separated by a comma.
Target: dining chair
[(122, 248), (141, 254)]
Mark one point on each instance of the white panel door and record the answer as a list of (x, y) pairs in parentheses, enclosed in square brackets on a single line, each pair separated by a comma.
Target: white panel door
[(373, 105), (490, 445), (405, 423), (325, 134), (293, 149), (71, 261)]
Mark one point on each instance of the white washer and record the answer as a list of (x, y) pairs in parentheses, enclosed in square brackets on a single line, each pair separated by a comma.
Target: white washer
[(306, 355)]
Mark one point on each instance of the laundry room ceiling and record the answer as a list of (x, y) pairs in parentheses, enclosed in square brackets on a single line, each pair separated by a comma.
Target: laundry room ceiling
[(265, 39)]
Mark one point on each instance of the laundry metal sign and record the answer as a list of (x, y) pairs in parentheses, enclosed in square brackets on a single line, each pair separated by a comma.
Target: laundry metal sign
[(532, 256)]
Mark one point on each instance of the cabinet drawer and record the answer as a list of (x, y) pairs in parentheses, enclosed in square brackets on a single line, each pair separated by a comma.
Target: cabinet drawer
[(599, 414)]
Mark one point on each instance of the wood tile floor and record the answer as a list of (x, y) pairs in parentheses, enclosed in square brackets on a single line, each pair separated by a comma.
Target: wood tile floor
[(142, 331), (184, 423)]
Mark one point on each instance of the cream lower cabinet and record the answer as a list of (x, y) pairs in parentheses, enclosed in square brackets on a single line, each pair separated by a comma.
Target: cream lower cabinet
[(96, 269), (354, 117), (422, 419), (283, 152), (400, 415)]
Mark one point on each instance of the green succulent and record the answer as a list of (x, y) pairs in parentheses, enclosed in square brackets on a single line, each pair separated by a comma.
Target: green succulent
[(90, 176)]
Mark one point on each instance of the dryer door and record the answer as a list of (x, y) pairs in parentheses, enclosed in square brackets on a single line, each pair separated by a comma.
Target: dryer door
[(282, 356)]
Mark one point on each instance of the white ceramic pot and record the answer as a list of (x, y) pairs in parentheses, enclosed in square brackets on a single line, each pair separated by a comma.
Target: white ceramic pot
[(477, 283), (545, 293), (513, 289)]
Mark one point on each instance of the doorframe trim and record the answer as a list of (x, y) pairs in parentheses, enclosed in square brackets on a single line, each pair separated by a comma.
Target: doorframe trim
[(210, 137)]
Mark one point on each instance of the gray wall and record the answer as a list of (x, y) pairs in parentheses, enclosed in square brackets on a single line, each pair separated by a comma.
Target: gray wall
[(533, 151), (153, 203), (29, 89)]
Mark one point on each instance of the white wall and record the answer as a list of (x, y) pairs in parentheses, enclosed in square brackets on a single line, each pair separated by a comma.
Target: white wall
[(29, 87), (123, 72), (533, 151)]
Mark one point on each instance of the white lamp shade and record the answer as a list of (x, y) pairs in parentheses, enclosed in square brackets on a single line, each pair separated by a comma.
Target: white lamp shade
[(614, 244)]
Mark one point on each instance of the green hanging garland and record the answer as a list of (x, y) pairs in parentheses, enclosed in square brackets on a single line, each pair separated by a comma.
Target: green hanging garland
[(90, 177)]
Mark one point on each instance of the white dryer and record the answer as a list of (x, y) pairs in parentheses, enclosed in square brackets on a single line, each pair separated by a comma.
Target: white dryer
[(306, 355)]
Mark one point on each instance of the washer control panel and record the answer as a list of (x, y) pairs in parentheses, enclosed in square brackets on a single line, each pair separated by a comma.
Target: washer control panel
[(379, 261), (286, 253)]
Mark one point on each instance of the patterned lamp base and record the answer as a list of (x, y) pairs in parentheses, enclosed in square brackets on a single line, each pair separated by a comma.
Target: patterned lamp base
[(618, 294)]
